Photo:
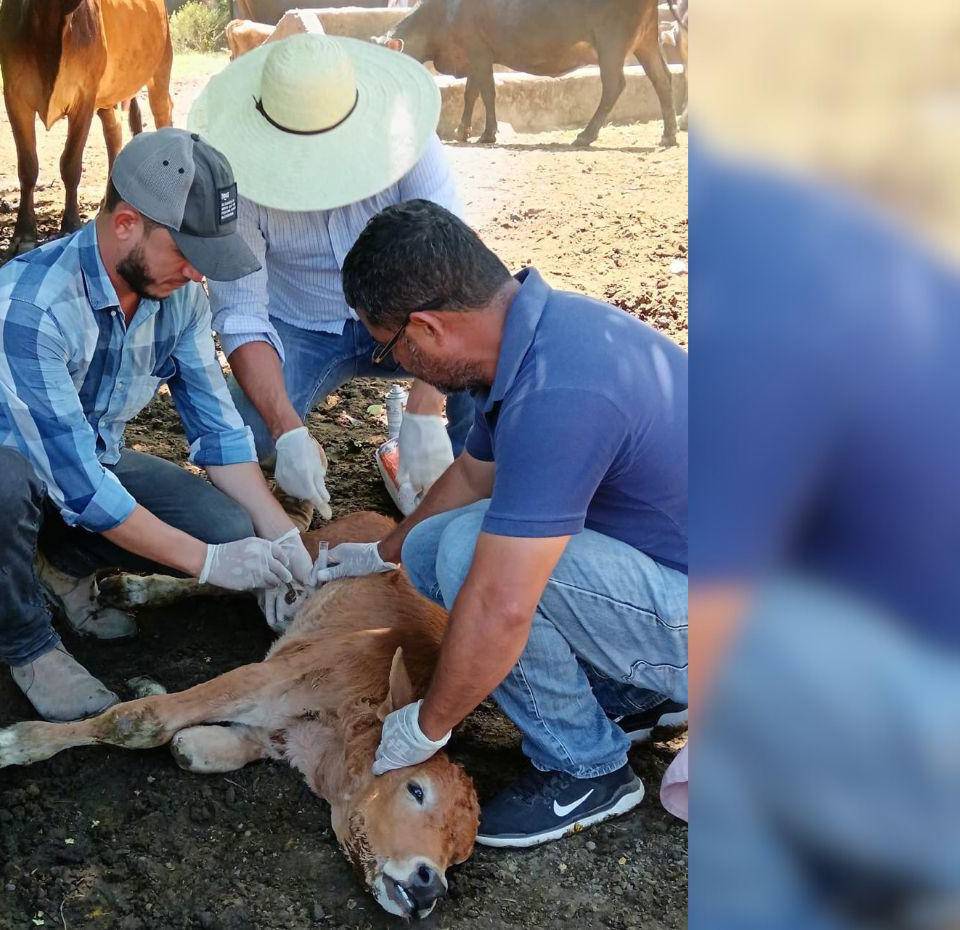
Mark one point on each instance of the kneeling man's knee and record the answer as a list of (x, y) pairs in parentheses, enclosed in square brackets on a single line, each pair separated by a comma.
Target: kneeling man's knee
[(21, 488), (455, 554)]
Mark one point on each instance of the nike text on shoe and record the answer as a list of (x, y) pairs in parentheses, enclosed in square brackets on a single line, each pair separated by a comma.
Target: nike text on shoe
[(544, 806), (639, 727)]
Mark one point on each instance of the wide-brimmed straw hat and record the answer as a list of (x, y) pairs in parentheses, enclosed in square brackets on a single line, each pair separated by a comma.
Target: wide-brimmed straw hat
[(315, 122)]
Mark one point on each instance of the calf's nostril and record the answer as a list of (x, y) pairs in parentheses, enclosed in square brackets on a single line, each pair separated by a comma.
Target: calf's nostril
[(425, 875)]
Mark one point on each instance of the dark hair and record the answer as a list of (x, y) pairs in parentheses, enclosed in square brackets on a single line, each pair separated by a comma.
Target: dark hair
[(113, 199), (418, 256)]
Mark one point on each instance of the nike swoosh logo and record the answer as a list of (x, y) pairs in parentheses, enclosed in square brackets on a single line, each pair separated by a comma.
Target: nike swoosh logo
[(561, 810)]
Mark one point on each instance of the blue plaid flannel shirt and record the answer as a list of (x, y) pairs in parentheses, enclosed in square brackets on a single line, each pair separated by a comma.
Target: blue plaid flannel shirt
[(72, 374)]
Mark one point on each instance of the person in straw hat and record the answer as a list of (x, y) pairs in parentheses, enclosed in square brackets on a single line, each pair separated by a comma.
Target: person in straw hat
[(323, 133)]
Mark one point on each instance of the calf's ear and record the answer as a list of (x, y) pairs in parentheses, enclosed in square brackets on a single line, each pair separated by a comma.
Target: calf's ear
[(400, 692)]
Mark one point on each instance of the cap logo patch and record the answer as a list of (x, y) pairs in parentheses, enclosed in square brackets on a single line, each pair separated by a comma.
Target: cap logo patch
[(227, 204)]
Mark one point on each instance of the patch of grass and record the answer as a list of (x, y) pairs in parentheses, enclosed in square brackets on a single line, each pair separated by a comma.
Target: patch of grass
[(190, 65)]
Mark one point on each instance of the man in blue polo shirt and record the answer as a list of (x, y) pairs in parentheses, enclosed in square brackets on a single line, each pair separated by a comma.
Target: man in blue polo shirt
[(557, 540)]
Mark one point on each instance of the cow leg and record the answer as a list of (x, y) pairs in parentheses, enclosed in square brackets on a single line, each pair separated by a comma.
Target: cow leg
[(158, 90), (71, 164), (244, 695), (23, 123), (112, 133), (649, 55), (483, 76), (612, 82), (470, 93), (213, 750)]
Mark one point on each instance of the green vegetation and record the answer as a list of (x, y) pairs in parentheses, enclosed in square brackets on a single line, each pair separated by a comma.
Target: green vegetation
[(198, 25)]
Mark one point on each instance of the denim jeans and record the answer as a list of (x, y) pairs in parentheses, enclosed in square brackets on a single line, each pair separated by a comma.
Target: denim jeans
[(317, 363), (827, 770), (609, 635), (29, 519)]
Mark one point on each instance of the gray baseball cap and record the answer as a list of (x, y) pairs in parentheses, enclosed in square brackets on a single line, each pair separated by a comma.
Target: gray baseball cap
[(179, 181)]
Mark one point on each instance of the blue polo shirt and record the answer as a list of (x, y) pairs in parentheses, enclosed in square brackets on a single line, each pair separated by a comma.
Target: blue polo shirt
[(587, 423)]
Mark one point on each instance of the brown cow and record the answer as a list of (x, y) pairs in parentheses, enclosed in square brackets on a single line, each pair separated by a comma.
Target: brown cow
[(74, 58), (357, 649), (243, 36), (548, 37)]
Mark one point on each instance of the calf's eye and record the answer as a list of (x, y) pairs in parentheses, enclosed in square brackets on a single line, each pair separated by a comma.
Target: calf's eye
[(416, 791)]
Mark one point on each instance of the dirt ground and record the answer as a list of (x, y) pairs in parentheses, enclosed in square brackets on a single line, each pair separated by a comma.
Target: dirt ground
[(126, 841)]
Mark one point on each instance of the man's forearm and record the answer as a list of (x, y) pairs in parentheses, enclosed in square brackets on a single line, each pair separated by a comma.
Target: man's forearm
[(244, 483), (451, 490), (258, 370), (480, 646), (148, 536)]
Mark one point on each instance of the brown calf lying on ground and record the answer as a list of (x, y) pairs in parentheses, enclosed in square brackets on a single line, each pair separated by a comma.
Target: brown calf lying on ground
[(242, 36), (357, 649)]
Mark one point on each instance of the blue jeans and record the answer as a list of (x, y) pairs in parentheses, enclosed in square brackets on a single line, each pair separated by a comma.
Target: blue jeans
[(827, 771), (29, 519), (609, 635), (317, 363)]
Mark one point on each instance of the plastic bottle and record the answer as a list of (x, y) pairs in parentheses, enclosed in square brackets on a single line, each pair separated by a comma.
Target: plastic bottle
[(396, 399)]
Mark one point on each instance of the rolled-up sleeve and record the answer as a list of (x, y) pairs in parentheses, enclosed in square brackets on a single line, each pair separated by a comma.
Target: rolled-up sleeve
[(431, 179), (46, 418), (240, 307), (214, 429)]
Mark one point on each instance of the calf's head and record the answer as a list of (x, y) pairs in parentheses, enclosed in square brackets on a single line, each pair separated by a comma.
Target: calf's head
[(405, 828)]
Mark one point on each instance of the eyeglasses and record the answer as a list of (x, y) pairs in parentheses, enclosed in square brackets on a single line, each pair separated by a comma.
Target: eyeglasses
[(381, 352)]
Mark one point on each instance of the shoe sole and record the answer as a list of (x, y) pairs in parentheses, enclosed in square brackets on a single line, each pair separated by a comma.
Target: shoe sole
[(623, 805), (666, 722)]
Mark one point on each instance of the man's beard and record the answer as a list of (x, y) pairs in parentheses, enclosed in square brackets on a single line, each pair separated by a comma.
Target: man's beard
[(133, 269), (461, 376)]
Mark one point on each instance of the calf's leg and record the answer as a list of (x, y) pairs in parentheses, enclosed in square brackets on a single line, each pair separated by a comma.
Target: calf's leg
[(212, 750), (250, 694)]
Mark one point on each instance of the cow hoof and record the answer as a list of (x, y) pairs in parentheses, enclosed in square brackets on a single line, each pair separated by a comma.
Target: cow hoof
[(668, 141), (583, 142), (461, 135), (487, 139), (16, 747), (20, 245)]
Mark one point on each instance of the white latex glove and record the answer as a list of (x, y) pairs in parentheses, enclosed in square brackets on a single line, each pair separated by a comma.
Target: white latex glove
[(245, 564), (402, 742), (425, 452), (300, 469), (298, 559), (353, 560)]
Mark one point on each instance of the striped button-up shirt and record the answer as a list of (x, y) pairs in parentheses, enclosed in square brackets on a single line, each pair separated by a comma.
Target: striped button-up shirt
[(72, 374), (301, 254)]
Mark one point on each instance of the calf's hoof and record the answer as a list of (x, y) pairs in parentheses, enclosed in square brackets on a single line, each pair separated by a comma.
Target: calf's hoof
[(488, 138), (584, 141), (461, 134), (668, 141)]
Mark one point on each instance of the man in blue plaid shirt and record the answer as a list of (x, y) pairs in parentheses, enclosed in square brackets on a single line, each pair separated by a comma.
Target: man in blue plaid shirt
[(91, 326)]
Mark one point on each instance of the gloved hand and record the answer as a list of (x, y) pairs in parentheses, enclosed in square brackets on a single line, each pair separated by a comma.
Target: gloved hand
[(245, 564), (300, 469), (402, 742), (298, 559), (424, 450), (353, 560)]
